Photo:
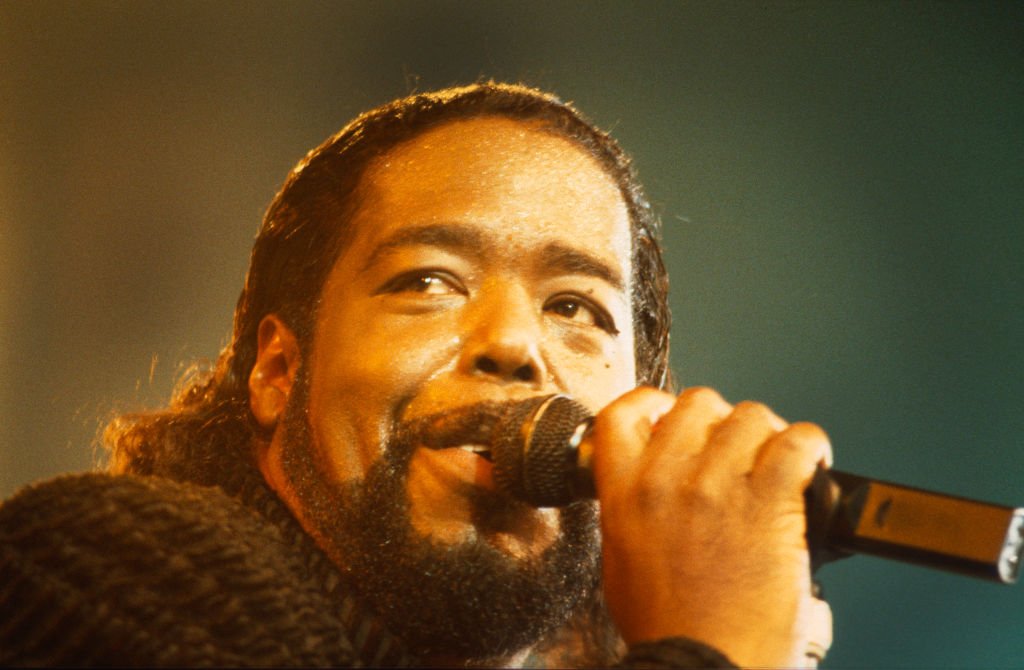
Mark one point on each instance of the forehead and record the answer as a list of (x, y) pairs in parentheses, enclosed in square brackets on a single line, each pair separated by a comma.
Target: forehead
[(505, 176)]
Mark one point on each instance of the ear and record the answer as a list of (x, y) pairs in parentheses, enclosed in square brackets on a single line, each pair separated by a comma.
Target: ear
[(271, 379)]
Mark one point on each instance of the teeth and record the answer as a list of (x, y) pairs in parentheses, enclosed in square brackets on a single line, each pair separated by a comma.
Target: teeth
[(478, 449)]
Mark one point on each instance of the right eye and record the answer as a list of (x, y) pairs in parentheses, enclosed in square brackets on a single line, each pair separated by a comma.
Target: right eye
[(424, 282)]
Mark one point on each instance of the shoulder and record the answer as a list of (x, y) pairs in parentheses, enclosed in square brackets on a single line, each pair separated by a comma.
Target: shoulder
[(100, 507), (142, 570), (98, 495), (156, 522)]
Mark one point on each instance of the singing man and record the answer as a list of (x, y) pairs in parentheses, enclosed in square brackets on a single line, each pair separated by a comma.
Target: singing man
[(438, 260)]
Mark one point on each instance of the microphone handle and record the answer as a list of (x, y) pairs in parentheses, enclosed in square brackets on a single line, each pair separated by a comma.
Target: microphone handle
[(541, 457), (850, 514)]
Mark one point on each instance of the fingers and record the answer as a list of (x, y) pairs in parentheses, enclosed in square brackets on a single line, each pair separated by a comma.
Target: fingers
[(653, 438), (680, 439), (787, 461), (702, 524), (699, 436), (705, 439), (734, 444), (623, 429)]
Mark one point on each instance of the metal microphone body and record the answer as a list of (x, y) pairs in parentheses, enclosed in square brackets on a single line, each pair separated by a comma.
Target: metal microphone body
[(541, 456)]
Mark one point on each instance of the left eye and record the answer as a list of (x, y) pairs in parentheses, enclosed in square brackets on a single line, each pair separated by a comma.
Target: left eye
[(582, 312)]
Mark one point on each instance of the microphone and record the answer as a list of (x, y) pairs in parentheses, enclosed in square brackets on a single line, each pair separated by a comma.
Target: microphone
[(541, 457)]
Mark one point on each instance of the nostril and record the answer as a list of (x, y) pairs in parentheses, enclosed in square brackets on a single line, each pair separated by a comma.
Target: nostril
[(524, 373), (487, 364), (490, 366)]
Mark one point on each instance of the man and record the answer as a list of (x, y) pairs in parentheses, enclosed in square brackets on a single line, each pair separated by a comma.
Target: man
[(437, 260)]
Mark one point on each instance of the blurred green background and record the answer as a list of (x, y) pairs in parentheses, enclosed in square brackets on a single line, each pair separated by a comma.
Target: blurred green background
[(842, 186)]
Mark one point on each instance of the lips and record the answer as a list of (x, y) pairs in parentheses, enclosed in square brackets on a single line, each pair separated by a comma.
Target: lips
[(456, 443), (451, 480), (469, 428)]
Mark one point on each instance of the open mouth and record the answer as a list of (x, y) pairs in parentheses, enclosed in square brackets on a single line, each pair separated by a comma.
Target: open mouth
[(469, 428), (478, 449)]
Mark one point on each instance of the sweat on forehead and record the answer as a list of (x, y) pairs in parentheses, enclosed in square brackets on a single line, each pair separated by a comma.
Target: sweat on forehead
[(310, 220), (508, 171), (487, 137), (489, 146)]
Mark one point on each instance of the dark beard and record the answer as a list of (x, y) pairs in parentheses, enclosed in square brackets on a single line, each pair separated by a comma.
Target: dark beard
[(467, 600)]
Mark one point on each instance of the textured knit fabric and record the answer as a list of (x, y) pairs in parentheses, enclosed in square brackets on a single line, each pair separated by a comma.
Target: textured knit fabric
[(104, 570), (138, 571)]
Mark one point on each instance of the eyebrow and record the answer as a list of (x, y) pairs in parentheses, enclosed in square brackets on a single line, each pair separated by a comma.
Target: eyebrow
[(462, 239), (569, 260), (469, 241)]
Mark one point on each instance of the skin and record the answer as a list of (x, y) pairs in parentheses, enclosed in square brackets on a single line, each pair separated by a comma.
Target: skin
[(491, 262), (733, 571)]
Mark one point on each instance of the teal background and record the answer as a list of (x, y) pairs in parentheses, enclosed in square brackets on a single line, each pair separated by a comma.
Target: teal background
[(842, 186)]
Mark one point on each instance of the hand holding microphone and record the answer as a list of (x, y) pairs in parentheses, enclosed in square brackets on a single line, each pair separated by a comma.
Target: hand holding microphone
[(702, 521), (542, 457), (708, 511)]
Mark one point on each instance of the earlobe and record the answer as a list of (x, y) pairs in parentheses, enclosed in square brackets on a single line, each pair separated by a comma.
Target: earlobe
[(272, 376)]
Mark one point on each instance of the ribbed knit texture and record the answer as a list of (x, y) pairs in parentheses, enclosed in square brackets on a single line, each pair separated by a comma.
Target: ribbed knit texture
[(120, 570), (108, 570)]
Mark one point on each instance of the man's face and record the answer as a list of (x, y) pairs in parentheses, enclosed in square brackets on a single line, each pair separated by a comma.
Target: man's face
[(490, 262), (474, 274)]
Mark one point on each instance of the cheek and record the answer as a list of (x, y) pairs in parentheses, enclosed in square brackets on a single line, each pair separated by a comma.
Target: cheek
[(368, 353), (362, 378), (596, 378)]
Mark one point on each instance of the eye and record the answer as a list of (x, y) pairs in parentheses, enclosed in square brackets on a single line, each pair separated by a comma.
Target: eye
[(424, 282), (582, 312)]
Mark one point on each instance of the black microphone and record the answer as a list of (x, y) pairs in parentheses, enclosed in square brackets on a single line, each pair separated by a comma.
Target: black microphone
[(541, 457)]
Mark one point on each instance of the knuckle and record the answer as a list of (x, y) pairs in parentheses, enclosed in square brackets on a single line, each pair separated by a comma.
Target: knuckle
[(749, 409), (611, 419), (803, 437), (648, 392), (762, 414), (635, 401), (749, 406), (702, 396), (806, 432), (703, 492), (609, 416), (699, 392)]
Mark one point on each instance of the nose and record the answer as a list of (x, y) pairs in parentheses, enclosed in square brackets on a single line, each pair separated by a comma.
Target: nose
[(503, 339)]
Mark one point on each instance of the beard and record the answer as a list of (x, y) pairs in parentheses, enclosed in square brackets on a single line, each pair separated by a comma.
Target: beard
[(468, 600)]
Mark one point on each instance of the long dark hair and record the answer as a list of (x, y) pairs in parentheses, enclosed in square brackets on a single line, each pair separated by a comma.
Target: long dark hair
[(207, 434)]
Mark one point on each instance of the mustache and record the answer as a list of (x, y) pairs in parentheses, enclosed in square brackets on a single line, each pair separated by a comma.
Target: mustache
[(468, 424)]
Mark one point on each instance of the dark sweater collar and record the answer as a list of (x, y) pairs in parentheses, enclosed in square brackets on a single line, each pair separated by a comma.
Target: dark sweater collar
[(374, 644)]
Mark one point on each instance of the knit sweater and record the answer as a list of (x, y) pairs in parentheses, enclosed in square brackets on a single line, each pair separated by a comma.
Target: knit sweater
[(104, 570), (99, 569)]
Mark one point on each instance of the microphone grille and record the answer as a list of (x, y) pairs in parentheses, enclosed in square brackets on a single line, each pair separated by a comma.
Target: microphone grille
[(532, 457)]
